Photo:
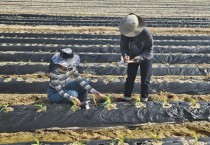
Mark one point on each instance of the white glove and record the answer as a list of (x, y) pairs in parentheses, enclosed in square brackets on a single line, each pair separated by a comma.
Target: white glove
[(97, 94), (138, 59)]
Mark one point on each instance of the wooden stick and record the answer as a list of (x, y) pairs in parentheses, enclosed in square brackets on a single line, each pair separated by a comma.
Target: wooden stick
[(94, 100)]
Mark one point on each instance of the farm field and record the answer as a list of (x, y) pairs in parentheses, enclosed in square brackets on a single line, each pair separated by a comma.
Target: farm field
[(148, 8), (32, 31)]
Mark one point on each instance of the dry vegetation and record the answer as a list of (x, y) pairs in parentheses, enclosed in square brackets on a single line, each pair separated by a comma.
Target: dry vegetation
[(145, 131), (29, 99), (98, 30), (145, 8)]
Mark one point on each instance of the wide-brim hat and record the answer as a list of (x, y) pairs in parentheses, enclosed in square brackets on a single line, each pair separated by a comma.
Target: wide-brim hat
[(66, 58), (131, 25)]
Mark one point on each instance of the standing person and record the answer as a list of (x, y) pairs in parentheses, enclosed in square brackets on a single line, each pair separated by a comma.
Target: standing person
[(65, 82), (136, 45)]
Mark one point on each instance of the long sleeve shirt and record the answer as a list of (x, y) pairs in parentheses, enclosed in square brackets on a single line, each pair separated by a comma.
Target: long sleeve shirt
[(59, 79), (140, 45)]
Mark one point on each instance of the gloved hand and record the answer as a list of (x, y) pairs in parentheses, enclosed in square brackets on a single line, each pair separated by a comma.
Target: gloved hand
[(77, 101), (96, 93), (138, 59)]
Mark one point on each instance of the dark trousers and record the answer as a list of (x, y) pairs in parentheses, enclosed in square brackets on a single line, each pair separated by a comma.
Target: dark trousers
[(145, 72)]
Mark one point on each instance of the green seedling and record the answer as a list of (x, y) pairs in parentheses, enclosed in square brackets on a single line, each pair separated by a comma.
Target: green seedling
[(119, 140), (37, 141), (108, 103), (5, 108), (193, 141), (193, 102), (74, 107), (41, 107), (138, 103), (155, 137), (166, 104), (195, 136)]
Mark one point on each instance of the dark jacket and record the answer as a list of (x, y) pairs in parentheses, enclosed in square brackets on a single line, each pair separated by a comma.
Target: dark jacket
[(140, 45)]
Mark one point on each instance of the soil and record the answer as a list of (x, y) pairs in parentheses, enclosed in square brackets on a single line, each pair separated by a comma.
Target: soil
[(29, 99), (145, 8), (44, 77), (98, 30), (145, 131)]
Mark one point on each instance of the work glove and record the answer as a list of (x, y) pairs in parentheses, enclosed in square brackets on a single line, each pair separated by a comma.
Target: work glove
[(96, 93), (138, 59), (76, 100)]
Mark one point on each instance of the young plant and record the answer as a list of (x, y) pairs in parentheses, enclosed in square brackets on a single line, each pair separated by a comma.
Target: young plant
[(41, 107), (191, 141), (155, 137), (138, 103), (166, 104), (119, 140), (108, 103), (5, 108), (37, 141), (193, 102), (195, 136), (74, 107)]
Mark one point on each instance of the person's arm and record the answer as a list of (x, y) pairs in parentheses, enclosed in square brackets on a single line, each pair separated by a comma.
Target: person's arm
[(147, 53), (124, 45), (84, 84)]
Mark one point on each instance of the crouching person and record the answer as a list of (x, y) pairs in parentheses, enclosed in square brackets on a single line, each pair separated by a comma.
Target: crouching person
[(66, 85)]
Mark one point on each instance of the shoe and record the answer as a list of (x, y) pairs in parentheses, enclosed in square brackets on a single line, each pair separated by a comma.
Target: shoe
[(125, 99), (144, 99)]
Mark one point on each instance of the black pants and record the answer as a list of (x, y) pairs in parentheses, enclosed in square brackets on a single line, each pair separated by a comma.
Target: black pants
[(145, 72)]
